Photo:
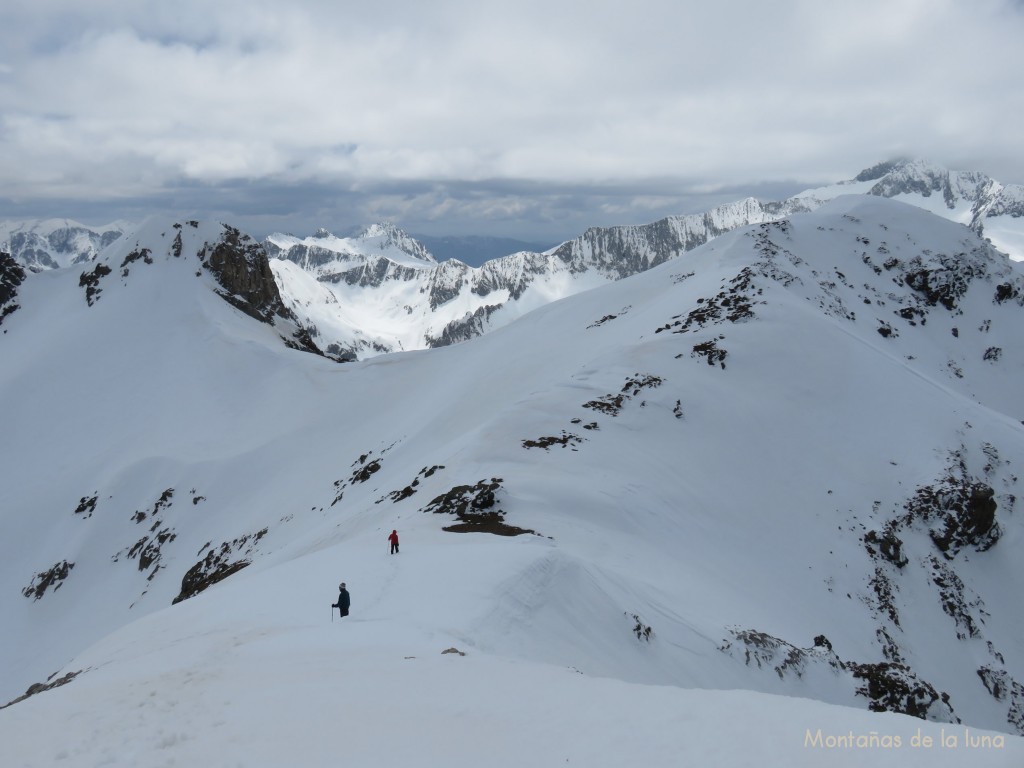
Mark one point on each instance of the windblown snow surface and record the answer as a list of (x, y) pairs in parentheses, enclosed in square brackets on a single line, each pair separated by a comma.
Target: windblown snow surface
[(766, 486)]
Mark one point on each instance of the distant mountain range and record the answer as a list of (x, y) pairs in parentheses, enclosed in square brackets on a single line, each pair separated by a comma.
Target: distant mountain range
[(56, 243), (359, 299), (474, 250), (383, 290)]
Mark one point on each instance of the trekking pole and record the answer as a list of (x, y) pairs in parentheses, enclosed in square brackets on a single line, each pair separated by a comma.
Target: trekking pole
[(332, 613)]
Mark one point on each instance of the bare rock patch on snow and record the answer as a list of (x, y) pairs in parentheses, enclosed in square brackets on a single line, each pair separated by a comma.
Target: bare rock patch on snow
[(476, 508)]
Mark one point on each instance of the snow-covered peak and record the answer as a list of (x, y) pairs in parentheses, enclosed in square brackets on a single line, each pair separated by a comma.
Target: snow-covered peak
[(918, 181), (388, 238), (325, 253), (968, 197), (160, 234), (923, 178), (190, 256)]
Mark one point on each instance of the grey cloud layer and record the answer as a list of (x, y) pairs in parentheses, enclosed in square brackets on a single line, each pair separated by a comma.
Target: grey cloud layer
[(232, 102)]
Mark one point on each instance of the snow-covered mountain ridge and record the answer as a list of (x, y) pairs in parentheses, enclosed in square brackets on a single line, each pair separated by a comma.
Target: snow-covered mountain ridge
[(324, 253), (56, 243), (988, 207), (382, 291), (366, 306), (792, 456)]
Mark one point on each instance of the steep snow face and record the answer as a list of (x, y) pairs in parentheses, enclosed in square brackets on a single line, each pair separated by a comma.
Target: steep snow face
[(54, 243), (786, 462)]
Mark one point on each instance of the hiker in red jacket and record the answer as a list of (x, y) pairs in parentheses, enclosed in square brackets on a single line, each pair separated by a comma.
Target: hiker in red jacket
[(393, 538)]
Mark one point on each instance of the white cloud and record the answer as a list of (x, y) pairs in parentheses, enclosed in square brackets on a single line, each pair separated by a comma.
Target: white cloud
[(125, 97)]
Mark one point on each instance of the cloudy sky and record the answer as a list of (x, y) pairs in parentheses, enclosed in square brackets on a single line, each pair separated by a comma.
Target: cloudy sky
[(525, 119)]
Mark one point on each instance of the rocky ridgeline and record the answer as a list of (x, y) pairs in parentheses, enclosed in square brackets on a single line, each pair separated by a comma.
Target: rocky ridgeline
[(987, 198)]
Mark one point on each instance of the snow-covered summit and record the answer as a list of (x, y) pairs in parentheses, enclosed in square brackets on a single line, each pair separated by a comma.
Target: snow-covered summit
[(922, 178), (387, 237), (189, 256), (990, 208)]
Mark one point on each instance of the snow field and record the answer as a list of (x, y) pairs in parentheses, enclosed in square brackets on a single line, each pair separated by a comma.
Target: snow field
[(251, 673), (714, 500)]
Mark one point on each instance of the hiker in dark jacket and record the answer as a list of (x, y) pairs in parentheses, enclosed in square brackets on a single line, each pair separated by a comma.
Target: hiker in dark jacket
[(343, 600), (393, 538)]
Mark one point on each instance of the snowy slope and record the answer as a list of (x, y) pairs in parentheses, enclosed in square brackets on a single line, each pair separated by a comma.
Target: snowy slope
[(224, 683), (791, 454)]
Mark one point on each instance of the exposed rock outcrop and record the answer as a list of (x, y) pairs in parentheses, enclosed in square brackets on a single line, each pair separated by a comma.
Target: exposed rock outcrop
[(218, 563), (887, 686), (12, 275), (476, 507), (54, 577)]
